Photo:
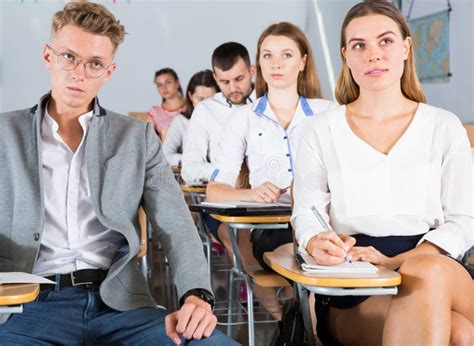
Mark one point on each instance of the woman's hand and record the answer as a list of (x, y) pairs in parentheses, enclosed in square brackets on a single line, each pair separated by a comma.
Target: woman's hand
[(266, 192), (328, 248), (374, 256)]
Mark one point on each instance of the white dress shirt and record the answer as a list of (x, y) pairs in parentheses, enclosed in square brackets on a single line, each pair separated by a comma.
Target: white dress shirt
[(205, 129), (423, 183), (73, 238), (173, 144), (254, 133)]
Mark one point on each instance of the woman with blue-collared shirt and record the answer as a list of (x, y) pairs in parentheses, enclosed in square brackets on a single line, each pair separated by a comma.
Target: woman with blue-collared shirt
[(266, 133), (392, 175)]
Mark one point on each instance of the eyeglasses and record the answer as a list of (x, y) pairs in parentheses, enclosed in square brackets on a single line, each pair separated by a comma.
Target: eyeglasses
[(67, 61)]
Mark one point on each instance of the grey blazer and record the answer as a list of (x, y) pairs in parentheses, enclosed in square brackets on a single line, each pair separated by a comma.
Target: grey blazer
[(126, 169)]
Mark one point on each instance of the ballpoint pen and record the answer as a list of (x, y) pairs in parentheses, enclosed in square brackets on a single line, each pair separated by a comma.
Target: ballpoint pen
[(327, 228), (283, 190), (300, 260)]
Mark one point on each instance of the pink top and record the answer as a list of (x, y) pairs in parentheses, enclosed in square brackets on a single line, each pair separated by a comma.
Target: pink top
[(162, 118)]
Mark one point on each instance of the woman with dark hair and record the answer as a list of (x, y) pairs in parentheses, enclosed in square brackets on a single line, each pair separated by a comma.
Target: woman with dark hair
[(393, 177), (200, 87), (173, 102)]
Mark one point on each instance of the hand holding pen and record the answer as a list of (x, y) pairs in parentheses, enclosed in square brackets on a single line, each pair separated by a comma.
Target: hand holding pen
[(327, 247)]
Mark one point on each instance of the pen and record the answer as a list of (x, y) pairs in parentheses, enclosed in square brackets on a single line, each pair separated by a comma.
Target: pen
[(327, 228), (283, 190), (300, 260)]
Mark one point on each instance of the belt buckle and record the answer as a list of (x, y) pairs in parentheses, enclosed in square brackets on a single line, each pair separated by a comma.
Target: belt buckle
[(74, 283)]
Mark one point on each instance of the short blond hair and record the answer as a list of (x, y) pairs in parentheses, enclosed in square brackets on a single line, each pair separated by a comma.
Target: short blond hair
[(347, 90), (91, 17)]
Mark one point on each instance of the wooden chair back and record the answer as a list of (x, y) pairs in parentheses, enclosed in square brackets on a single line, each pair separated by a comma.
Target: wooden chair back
[(143, 232), (139, 115), (470, 133)]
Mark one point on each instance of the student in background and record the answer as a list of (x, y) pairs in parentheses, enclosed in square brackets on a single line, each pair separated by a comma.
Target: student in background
[(173, 103), (233, 74), (201, 86), (393, 176), (266, 133)]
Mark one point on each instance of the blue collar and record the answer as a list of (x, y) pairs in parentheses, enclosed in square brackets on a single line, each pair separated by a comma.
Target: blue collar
[(262, 106)]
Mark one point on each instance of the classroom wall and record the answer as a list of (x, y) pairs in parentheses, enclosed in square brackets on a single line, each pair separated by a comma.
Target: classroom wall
[(458, 94), (182, 34)]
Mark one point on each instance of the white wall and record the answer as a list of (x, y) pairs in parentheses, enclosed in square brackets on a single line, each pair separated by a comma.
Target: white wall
[(182, 34), (179, 34)]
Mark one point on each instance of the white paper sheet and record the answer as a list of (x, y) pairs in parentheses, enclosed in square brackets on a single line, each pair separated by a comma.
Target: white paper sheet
[(22, 278)]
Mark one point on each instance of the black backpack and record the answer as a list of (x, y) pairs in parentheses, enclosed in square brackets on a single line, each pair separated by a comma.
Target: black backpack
[(292, 332)]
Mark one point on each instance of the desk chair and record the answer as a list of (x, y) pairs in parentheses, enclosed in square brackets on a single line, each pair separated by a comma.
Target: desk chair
[(145, 255), (197, 195), (470, 133), (145, 117), (177, 174), (383, 282), (251, 275), (139, 115)]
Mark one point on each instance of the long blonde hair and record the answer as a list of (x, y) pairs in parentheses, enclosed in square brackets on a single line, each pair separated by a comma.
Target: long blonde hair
[(347, 90), (308, 83)]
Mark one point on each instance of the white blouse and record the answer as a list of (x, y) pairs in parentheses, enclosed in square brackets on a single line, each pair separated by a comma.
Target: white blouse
[(173, 144), (255, 134), (207, 122), (422, 186)]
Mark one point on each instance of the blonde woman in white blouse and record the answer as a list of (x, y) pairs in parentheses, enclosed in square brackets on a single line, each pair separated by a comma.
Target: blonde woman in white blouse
[(200, 87), (392, 175), (265, 134)]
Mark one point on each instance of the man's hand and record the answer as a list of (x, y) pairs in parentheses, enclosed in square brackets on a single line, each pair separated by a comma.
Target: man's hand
[(194, 320)]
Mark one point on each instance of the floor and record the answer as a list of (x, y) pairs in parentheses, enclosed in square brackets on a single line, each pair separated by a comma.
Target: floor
[(265, 333)]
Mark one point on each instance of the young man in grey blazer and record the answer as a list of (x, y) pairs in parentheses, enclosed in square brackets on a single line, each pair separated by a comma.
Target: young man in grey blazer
[(73, 175)]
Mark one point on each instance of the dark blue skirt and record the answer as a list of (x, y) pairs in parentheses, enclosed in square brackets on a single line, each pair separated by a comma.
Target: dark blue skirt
[(390, 246)]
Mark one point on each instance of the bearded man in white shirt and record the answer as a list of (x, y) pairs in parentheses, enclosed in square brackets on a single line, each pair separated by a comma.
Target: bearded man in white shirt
[(233, 74)]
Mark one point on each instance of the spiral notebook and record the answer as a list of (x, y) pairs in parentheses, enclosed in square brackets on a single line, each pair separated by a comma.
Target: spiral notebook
[(308, 264)]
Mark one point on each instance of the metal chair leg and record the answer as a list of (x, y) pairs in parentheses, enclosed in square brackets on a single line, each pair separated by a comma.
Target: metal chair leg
[(229, 304), (250, 312), (302, 296)]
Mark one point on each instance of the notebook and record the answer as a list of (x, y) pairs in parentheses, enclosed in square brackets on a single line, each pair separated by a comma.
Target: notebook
[(22, 278), (308, 264), (242, 204), (236, 208)]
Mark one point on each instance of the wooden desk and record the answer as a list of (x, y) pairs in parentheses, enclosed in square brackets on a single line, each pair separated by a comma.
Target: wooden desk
[(253, 219), (383, 282), (284, 264), (13, 295), (193, 189)]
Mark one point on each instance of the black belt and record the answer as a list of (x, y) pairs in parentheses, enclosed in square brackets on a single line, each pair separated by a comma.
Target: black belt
[(77, 278)]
